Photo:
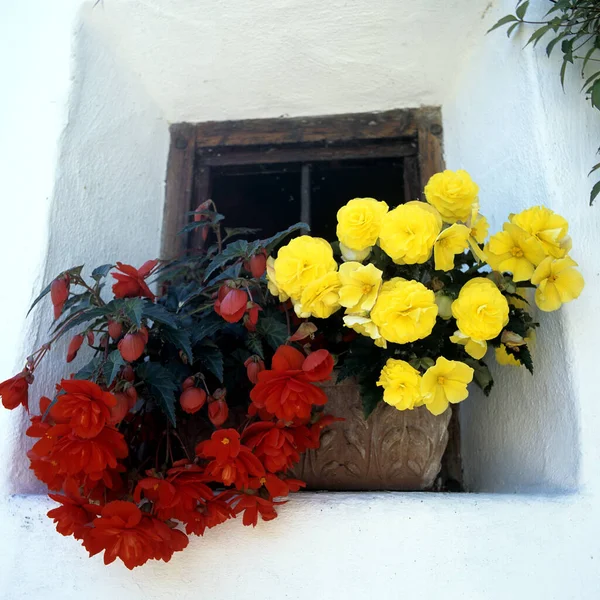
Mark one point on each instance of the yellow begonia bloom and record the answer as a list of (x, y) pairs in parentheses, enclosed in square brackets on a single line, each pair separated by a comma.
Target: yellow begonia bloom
[(474, 348), (405, 311), (504, 358), (514, 250), (479, 229), (272, 282), (359, 223), (304, 260), (355, 255), (445, 382), (558, 282), (360, 285), (321, 298), (453, 193), (401, 385), (549, 228), (366, 327), (451, 241), (480, 310), (444, 304), (409, 232)]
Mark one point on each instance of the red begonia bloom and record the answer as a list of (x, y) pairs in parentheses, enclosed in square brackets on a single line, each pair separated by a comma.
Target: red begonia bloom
[(276, 486), (318, 365), (121, 407), (59, 292), (251, 318), (257, 265), (252, 506), (231, 303), (273, 444), (14, 391), (85, 405), (132, 345), (212, 513), (75, 513), (74, 346), (222, 446), (306, 437), (115, 329), (287, 390), (131, 281), (254, 365), (218, 412)]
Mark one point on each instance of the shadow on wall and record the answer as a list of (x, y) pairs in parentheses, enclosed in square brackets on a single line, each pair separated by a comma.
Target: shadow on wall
[(107, 203)]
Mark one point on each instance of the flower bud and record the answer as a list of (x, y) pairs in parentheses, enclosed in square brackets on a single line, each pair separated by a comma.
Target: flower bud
[(231, 303), (115, 329), (120, 409), (192, 400), (188, 383), (90, 338), (74, 346), (218, 412), (254, 365), (444, 304), (354, 255), (59, 292), (258, 265), (132, 346)]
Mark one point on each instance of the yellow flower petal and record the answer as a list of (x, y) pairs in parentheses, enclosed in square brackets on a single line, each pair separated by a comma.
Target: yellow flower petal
[(451, 241)]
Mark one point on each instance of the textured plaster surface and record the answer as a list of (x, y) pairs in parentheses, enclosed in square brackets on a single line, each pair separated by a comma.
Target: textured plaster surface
[(88, 98)]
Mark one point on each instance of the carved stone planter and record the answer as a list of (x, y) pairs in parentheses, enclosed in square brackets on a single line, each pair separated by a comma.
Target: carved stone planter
[(391, 450)]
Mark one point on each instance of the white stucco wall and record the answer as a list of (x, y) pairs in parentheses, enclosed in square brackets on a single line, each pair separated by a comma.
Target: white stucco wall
[(88, 98)]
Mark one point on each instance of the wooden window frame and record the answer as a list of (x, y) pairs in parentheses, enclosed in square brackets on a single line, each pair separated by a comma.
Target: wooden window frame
[(415, 135)]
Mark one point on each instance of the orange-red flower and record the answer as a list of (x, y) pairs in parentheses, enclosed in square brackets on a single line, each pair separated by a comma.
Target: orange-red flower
[(306, 437), (192, 399), (273, 444), (208, 515), (257, 265), (74, 514), (254, 365), (223, 445), (115, 329), (14, 391), (122, 531), (132, 345), (74, 346), (276, 486), (131, 281), (84, 405), (252, 506), (287, 390), (122, 407), (59, 292), (218, 411), (231, 303)]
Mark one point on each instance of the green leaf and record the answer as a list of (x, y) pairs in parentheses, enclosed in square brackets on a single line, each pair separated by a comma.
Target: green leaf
[(196, 224), (555, 41), (594, 168), (180, 339), (232, 272), (235, 250), (503, 21), (207, 327), (85, 316), (595, 191), (134, 309), (43, 293), (233, 231), (596, 94), (90, 371), (212, 359), (159, 314), (270, 243), (112, 366), (371, 396), (161, 385), (538, 34), (99, 272), (254, 344), (590, 79), (482, 376), (522, 9), (512, 28), (563, 69), (273, 330)]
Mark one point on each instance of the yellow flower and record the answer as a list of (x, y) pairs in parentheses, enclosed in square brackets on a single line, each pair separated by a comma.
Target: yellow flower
[(366, 327), (320, 298), (504, 358), (304, 260), (272, 282), (479, 229), (409, 232), (480, 310), (360, 285), (445, 382), (549, 228), (356, 255), (444, 304), (359, 223), (405, 311), (514, 250), (401, 385), (558, 282), (474, 348), (453, 193), (451, 241)]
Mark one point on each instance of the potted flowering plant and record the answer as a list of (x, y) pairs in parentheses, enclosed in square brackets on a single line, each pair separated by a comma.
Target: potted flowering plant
[(176, 425)]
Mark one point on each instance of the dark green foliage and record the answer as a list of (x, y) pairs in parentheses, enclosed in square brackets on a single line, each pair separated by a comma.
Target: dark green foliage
[(161, 385)]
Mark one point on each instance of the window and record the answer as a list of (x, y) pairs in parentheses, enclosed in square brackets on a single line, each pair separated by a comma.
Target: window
[(271, 173)]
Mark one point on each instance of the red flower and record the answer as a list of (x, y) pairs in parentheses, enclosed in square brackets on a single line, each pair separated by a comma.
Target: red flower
[(159, 491), (251, 319), (218, 412), (318, 366), (212, 513), (123, 532), (75, 513), (131, 281), (252, 506), (286, 391), (84, 405), (74, 346), (274, 445), (258, 265), (254, 365), (192, 400), (277, 487), (132, 345), (14, 391), (59, 292), (223, 445), (310, 437), (121, 408), (231, 303)]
